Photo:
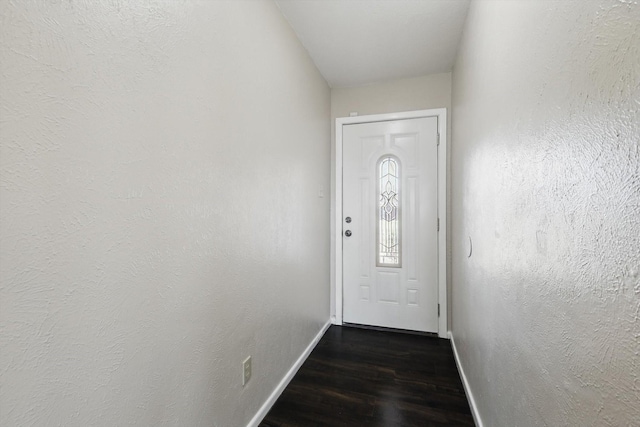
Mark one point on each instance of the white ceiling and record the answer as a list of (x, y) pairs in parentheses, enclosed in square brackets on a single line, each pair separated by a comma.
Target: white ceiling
[(357, 42)]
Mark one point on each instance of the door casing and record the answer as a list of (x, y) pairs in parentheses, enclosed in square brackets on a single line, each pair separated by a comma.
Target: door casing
[(441, 114)]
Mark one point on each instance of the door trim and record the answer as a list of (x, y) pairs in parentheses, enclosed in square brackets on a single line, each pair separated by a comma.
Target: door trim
[(441, 115)]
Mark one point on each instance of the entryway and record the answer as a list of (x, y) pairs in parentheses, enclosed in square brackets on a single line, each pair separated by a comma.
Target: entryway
[(390, 221)]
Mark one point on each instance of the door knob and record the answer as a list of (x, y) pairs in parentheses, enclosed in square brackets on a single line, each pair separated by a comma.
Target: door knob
[(347, 233)]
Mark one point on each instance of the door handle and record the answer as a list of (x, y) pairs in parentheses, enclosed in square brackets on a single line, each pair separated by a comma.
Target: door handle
[(347, 233)]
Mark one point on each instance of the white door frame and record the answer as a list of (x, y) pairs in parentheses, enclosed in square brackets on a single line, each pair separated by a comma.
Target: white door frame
[(441, 114)]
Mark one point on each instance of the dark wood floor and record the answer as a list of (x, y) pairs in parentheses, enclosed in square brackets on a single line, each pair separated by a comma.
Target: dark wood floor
[(360, 377)]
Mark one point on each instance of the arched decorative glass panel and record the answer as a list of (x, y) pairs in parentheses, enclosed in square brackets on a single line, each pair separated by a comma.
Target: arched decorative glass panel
[(388, 227)]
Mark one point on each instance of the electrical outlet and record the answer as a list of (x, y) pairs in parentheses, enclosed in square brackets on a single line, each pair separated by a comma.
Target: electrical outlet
[(246, 370)]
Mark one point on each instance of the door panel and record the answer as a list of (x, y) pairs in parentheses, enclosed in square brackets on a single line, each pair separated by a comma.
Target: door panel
[(401, 289)]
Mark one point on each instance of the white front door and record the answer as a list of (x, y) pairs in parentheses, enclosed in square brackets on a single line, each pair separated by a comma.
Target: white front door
[(389, 222)]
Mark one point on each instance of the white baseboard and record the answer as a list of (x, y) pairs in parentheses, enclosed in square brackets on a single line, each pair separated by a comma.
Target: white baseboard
[(465, 383), (275, 394)]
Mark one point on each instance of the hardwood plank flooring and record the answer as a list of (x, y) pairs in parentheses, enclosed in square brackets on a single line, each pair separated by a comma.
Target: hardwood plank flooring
[(363, 377)]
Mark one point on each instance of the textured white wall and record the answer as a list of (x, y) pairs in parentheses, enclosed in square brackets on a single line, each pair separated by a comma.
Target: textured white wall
[(418, 93), (160, 219), (546, 181)]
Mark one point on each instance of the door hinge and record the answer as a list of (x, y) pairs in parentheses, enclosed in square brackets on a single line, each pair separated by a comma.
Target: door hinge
[(438, 224), (438, 310), (438, 139)]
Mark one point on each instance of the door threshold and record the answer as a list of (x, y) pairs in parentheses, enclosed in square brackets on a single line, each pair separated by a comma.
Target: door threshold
[(385, 329)]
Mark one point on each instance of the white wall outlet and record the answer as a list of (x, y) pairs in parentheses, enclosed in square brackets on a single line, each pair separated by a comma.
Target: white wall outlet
[(246, 370)]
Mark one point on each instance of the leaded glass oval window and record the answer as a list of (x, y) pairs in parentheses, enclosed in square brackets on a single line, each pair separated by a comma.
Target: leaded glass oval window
[(388, 227)]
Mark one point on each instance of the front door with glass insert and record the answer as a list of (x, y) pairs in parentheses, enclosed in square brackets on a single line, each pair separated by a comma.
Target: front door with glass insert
[(390, 246)]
